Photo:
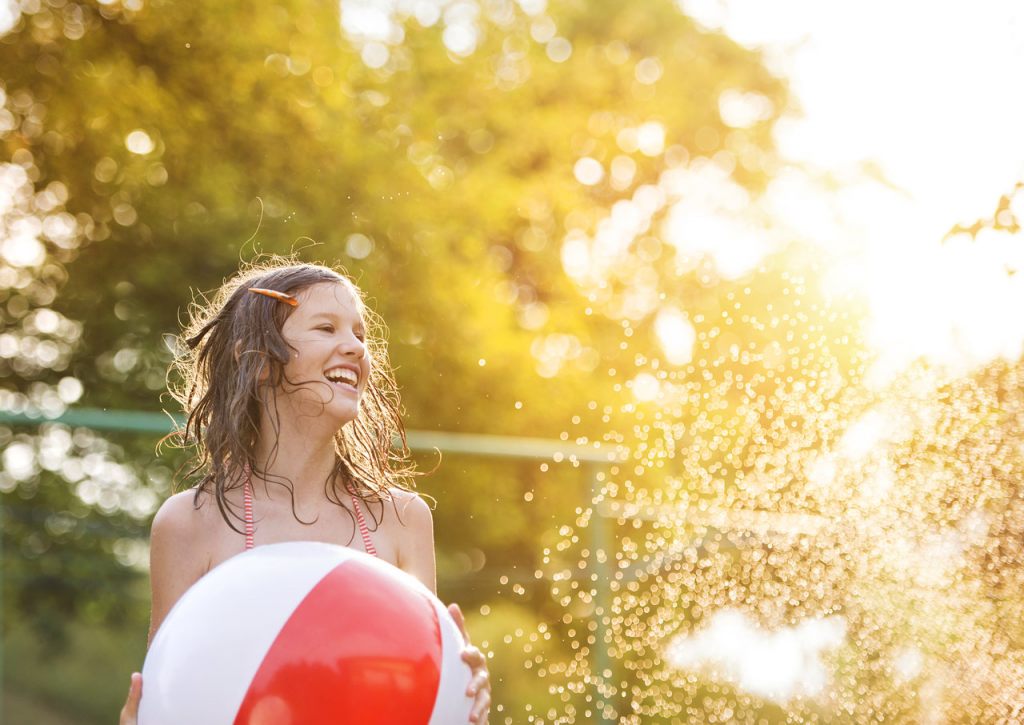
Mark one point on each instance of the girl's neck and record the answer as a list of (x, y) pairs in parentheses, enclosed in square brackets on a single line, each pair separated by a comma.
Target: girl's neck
[(300, 455)]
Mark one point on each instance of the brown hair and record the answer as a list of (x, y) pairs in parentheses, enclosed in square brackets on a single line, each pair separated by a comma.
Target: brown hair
[(218, 388)]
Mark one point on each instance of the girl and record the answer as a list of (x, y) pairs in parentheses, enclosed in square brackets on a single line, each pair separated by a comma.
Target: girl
[(292, 408)]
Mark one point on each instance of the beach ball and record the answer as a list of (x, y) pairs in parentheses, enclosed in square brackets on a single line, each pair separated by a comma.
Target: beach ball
[(303, 633)]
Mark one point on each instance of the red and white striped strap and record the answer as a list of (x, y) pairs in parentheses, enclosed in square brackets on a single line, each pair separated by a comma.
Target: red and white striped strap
[(247, 500), (250, 527), (367, 542)]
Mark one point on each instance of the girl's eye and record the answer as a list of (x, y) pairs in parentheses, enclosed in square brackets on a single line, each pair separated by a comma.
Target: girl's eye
[(330, 330)]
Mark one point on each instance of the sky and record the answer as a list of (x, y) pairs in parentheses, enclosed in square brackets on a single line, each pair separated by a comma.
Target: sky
[(925, 90), (924, 95)]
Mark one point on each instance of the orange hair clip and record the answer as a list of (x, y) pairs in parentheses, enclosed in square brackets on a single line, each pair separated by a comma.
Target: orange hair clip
[(279, 296)]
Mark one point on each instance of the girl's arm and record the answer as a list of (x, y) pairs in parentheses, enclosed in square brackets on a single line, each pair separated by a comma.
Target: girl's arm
[(416, 556), (177, 558), (175, 563), (416, 542)]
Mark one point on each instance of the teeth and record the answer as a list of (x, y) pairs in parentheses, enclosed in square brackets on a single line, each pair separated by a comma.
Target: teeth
[(342, 376)]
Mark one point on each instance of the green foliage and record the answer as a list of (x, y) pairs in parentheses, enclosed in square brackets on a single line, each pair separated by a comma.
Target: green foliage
[(268, 130)]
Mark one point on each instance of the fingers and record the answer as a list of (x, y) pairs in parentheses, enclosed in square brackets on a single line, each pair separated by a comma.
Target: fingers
[(130, 711), (473, 657), (481, 706), (456, 612), (479, 687), (480, 681)]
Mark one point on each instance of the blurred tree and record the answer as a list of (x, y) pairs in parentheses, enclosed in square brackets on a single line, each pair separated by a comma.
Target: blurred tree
[(149, 146)]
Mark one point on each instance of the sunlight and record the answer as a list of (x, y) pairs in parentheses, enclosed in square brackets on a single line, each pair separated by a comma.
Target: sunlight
[(713, 217), (935, 168), (947, 309), (724, 293), (778, 665), (10, 13), (676, 334)]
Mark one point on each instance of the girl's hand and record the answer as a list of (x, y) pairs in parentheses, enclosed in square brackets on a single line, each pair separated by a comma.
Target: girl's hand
[(480, 686), (130, 711)]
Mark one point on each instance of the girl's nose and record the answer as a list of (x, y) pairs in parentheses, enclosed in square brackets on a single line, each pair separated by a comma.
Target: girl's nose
[(353, 346)]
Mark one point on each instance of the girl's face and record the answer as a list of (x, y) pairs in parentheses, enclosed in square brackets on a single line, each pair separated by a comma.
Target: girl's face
[(330, 365)]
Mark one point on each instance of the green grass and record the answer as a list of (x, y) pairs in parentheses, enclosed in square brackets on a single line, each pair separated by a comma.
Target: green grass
[(84, 684), (18, 709)]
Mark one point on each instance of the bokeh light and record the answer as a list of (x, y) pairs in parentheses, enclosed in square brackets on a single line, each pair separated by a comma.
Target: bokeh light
[(759, 276)]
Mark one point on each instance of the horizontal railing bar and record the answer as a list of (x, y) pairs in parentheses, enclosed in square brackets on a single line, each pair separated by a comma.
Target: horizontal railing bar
[(476, 444)]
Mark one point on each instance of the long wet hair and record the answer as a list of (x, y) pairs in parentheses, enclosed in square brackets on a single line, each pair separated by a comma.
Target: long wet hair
[(231, 362)]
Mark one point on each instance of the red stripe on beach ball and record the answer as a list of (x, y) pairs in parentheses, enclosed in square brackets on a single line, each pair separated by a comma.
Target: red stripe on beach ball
[(362, 647)]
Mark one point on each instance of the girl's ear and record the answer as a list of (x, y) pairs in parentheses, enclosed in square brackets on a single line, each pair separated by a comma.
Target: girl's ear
[(264, 373)]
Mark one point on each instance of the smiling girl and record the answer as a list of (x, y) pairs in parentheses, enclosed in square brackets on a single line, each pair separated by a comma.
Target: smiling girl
[(292, 410)]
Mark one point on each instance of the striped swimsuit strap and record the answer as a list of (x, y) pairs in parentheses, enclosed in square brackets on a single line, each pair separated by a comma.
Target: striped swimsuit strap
[(250, 527), (367, 542)]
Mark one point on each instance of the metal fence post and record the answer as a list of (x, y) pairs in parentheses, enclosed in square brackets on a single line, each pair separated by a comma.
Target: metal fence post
[(600, 553)]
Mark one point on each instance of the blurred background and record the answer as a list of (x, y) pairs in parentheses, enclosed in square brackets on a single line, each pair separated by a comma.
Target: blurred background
[(716, 301)]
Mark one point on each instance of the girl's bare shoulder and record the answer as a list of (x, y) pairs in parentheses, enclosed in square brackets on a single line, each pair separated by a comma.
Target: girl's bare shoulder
[(410, 504), (183, 523)]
